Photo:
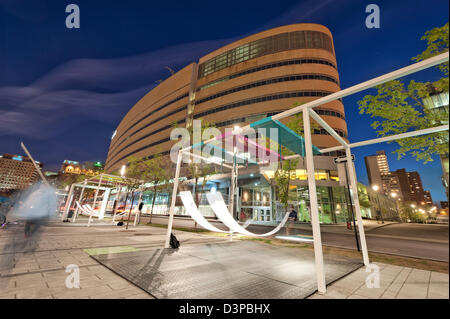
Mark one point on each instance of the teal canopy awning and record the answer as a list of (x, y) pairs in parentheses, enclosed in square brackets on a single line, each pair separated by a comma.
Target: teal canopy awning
[(286, 137)]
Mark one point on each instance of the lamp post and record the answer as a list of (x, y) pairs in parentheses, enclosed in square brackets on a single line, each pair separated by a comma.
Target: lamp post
[(397, 207), (376, 188)]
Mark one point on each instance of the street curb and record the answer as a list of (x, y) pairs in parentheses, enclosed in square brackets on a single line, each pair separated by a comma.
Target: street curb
[(383, 225), (390, 254)]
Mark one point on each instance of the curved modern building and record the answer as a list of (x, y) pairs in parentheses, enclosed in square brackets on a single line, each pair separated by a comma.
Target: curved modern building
[(258, 76)]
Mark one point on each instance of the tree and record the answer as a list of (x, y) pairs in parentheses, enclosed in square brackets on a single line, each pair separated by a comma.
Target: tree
[(195, 170), (132, 179), (282, 176), (400, 108), (156, 171)]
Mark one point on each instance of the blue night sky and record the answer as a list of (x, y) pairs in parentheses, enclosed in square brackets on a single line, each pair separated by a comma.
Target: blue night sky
[(64, 91)]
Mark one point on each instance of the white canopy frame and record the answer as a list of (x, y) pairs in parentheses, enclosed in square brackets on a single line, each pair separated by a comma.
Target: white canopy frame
[(308, 112), (104, 182)]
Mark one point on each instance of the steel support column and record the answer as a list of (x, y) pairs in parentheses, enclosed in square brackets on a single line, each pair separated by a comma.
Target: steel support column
[(174, 198), (355, 202), (318, 254)]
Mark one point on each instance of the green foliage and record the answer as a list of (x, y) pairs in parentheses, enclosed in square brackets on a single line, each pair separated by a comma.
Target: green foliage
[(133, 173), (282, 178), (437, 43), (156, 171), (363, 197), (399, 108), (68, 179)]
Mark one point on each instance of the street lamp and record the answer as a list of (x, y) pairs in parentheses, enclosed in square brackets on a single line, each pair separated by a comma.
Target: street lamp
[(379, 213)]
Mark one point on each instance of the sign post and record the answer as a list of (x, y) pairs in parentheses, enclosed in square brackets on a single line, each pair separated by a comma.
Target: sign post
[(339, 161)]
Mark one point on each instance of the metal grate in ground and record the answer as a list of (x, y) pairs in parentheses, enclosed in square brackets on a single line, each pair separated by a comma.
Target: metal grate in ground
[(230, 270)]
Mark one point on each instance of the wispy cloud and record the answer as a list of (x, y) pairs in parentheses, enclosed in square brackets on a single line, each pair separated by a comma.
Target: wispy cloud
[(89, 89)]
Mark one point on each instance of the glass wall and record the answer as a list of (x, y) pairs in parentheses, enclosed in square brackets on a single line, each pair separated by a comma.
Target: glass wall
[(255, 204), (261, 47), (331, 201)]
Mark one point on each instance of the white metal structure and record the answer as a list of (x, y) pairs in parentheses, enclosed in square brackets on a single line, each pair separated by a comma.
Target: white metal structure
[(308, 112), (220, 209), (189, 204)]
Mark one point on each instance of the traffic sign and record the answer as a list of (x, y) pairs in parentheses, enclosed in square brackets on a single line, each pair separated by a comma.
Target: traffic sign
[(343, 159)]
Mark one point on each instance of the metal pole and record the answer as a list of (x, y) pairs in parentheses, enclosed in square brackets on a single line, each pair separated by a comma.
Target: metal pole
[(174, 198), (117, 203), (138, 211), (34, 163), (232, 188), (318, 254), (95, 198), (68, 202), (355, 200), (349, 198), (75, 214)]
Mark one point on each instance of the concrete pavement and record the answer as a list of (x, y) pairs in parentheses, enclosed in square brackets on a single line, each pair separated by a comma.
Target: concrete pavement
[(41, 273), (395, 283), (427, 241)]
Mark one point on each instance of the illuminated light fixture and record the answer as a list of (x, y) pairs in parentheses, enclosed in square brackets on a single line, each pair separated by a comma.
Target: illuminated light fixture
[(299, 239), (122, 170), (394, 195), (236, 127), (114, 134), (413, 206), (251, 175), (375, 187)]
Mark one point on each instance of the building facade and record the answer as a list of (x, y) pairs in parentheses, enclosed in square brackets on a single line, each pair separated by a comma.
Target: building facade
[(380, 177), (412, 188), (17, 172), (240, 83), (86, 168)]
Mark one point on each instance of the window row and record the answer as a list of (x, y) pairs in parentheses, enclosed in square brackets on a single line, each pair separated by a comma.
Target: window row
[(148, 124), (144, 137), (268, 82), (153, 112), (280, 42), (265, 67), (264, 99)]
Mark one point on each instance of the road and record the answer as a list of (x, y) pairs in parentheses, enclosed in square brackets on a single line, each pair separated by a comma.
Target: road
[(403, 239)]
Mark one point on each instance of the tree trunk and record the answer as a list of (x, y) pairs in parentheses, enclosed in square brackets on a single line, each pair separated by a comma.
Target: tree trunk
[(131, 207), (125, 205), (153, 205)]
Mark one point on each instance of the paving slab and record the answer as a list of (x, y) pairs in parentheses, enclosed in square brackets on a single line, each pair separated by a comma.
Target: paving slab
[(231, 270)]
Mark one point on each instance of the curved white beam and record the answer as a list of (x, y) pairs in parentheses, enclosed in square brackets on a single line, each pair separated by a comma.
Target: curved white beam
[(191, 208), (221, 211)]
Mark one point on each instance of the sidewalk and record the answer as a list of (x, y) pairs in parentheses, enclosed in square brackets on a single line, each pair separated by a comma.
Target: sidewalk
[(42, 273), (395, 283)]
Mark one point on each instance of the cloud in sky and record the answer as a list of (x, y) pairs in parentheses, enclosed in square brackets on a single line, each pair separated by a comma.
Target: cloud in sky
[(89, 89), (101, 89)]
